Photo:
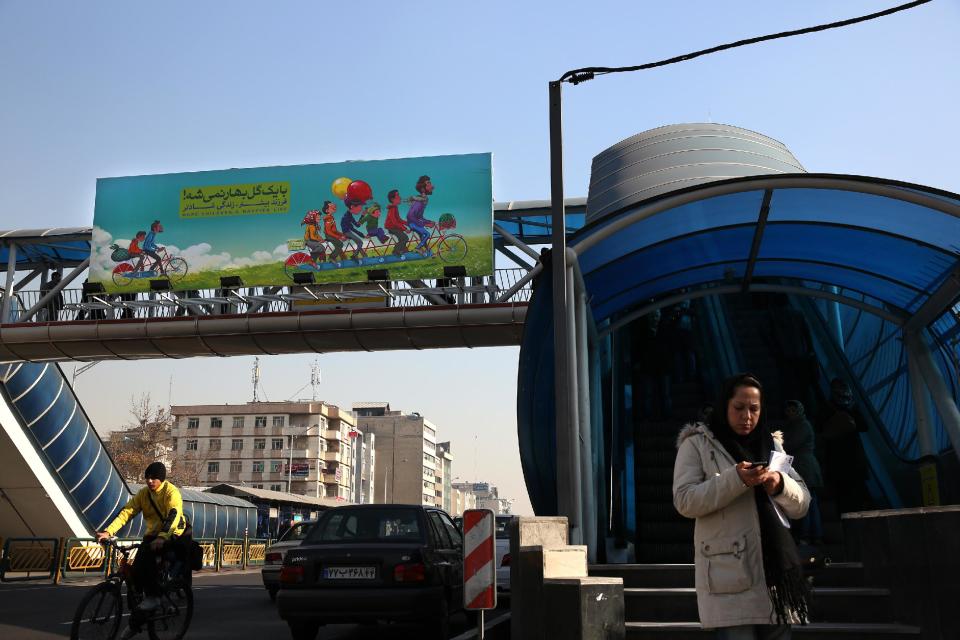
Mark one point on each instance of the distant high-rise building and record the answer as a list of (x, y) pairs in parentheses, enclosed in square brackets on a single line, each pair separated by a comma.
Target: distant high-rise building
[(485, 495), (444, 490), (406, 451)]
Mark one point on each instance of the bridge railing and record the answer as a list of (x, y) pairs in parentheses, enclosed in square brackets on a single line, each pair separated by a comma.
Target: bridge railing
[(75, 305)]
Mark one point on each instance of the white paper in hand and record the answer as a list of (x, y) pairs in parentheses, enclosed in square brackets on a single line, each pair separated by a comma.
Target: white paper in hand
[(779, 461)]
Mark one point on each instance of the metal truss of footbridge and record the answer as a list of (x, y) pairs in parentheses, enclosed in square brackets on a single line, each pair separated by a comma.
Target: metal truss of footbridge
[(238, 320)]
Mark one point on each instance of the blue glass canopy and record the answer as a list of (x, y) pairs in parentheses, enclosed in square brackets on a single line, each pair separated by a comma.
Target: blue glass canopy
[(65, 247), (894, 242)]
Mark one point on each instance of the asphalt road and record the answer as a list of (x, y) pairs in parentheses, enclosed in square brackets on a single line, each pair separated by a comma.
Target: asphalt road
[(227, 605)]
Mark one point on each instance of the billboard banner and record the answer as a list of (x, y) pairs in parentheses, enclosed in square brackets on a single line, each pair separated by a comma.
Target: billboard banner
[(406, 218)]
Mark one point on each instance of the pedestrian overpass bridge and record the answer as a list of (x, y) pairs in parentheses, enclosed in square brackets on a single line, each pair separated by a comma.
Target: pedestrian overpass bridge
[(56, 477)]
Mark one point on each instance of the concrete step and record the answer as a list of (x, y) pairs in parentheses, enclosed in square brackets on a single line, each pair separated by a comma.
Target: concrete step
[(840, 574), (829, 604), (816, 631)]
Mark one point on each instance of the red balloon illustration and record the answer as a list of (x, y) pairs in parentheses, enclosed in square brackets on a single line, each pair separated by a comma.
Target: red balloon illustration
[(359, 190)]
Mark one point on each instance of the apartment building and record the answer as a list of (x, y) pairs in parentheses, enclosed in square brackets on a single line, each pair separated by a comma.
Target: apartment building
[(406, 454), (302, 447), (485, 496), (460, 501), (444, 477)]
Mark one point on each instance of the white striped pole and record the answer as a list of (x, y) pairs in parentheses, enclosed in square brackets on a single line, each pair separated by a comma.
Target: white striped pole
[(479, 553)]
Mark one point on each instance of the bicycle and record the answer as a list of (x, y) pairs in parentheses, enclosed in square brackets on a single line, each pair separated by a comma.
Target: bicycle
[(100, 613), (173, 268)]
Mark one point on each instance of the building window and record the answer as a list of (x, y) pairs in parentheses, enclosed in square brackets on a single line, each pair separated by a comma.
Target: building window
[(278, 421), (258, 466), (277, 444), (260, 421), (213, 467), (427, 430), (215, 444), (258, 486), (236, 466), (276, 487), (236, 444), (191, 445), (260, 443), (275, 466), (332, 491), (237, 421), (193, 423), (173, 443), (216, 423)]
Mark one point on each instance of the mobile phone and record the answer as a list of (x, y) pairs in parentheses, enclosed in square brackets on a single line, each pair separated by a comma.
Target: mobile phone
[(759, 463)]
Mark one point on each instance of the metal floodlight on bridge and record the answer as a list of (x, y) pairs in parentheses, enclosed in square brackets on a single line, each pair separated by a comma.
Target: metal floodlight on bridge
[(456, 271), (377, 274), (156, 285), (93, 289), (230, 282), (305, 277)]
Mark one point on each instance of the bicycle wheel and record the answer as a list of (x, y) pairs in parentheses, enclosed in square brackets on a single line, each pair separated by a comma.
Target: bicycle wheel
[(297, 263), (176, 269), (172, 620), (452, 247), (123, 274), (99, 614)]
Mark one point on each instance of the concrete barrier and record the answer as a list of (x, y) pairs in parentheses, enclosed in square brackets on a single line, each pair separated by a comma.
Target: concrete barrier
[(550, 593)]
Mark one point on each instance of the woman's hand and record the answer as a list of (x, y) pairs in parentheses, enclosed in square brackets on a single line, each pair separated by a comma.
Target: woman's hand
[(750, 476), (772, 482)]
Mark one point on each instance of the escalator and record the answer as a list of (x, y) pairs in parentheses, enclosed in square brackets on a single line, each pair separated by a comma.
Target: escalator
[(56, 477)]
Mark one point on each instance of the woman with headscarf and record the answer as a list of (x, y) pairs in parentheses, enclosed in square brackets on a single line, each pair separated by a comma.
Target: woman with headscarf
[(749, 578)]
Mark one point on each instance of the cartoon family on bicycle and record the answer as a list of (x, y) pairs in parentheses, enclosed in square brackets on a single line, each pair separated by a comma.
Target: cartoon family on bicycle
[(361, 224), (132, 261)]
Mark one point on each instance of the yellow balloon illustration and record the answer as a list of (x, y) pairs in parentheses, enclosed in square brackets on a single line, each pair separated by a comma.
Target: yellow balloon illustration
[(339, 187)]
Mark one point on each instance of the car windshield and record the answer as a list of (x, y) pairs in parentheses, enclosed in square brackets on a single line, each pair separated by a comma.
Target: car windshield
[(391, 524), (298, 531)]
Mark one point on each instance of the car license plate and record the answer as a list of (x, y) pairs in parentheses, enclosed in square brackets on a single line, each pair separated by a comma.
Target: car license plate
[(350, 573)]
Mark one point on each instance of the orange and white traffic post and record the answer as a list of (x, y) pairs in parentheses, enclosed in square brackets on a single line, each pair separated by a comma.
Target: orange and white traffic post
[(479, 554)]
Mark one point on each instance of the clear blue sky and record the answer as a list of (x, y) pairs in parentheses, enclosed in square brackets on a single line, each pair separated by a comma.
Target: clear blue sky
[(99, 89)]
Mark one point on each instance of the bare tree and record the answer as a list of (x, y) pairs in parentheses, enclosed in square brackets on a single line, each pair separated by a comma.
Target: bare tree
[(146, 438)]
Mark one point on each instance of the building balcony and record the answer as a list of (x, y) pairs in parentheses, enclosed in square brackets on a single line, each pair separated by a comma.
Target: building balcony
[(332, 434), (236, 453), (331, 456), (234, 476)]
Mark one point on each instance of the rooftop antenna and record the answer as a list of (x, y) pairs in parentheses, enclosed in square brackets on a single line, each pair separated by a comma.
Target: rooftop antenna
[(315, 378), (255, 378)]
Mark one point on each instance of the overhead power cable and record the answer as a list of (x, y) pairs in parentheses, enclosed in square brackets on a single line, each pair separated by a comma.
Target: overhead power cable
[(577, 76)]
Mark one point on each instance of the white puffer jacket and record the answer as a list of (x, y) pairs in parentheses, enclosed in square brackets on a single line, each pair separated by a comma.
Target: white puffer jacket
[(731, 588)]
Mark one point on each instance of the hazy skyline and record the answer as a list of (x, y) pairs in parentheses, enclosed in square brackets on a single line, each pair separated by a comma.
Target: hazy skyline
[(101, 89)]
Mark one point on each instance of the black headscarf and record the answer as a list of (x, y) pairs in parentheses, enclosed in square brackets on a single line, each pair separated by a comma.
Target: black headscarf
[(782, 568)]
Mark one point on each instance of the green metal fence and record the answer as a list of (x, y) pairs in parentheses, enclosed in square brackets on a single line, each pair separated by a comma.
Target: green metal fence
[(76, 558), (29, 559)]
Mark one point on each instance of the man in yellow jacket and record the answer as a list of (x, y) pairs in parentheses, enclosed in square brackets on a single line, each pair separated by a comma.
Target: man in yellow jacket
[(162, 508)]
